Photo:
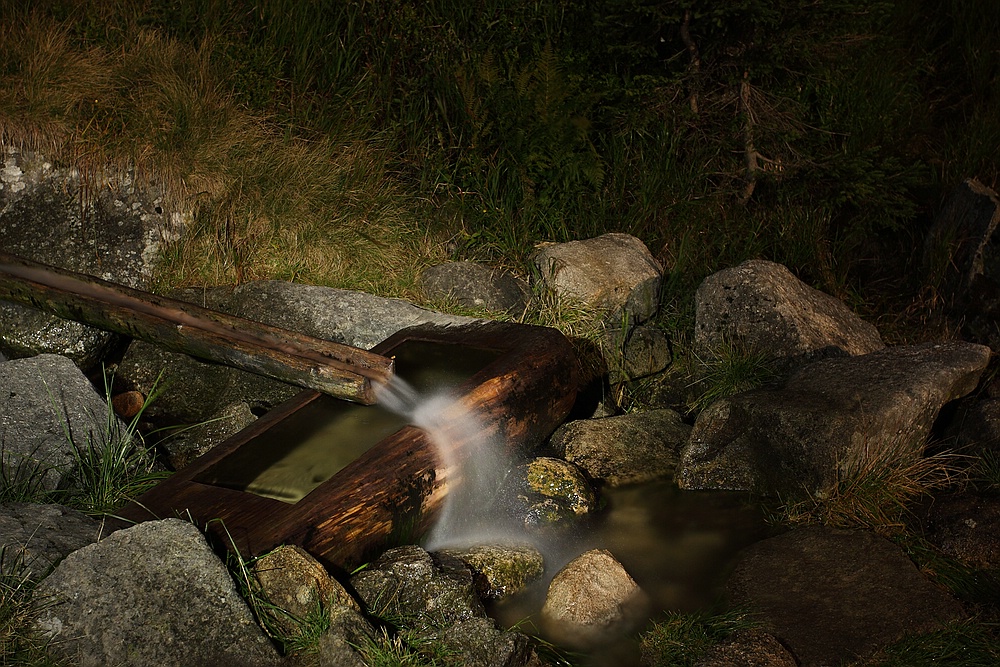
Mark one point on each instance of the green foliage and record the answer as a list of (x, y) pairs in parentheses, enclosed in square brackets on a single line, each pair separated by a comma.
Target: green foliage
[(680, 639), (112, 469), (960, 644), (731, 369), (20, 640)]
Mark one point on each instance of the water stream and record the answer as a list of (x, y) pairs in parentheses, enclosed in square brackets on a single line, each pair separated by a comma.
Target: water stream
[(677, 545)]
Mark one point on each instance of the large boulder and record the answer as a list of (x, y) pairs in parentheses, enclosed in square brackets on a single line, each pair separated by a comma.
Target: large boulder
[(761, 306), (152, 594), (476, 286), (829, 419), (614, 272), (48, 408), (625, 449), (110, 228), (834, 596)]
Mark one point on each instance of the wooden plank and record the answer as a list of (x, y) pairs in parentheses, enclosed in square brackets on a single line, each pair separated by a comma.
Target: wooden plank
[(331, 368)]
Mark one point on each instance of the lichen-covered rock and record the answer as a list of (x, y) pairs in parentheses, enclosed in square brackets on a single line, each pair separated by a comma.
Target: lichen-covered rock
[(749, 648), (634, 352), (476, 286), (591, 598), (614, 272), (501, 570), (835, 596), (299, 586), (36, 537), (829, 419), (546, 493), (625, 449), (761, 306), (433, 595), (48, 407), (152, 594), (113, 229)]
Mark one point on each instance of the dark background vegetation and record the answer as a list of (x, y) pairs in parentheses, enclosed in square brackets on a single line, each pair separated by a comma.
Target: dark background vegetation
[(822, 134)]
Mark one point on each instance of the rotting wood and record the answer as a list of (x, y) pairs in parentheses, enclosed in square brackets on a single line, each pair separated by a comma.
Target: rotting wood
[(331, 368)]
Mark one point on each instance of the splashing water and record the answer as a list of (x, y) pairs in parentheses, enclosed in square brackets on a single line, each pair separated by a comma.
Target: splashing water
[(473, 463)]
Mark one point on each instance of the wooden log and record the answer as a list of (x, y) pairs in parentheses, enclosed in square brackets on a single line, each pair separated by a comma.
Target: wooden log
[(331, 368), (394, 492)]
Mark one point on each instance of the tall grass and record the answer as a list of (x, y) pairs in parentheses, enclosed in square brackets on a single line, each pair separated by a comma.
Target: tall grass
[(347, 143)]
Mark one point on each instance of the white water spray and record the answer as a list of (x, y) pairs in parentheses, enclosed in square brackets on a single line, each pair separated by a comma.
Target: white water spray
[(474, 465)]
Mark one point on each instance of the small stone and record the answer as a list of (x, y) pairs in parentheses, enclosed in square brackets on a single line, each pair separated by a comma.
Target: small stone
[(591, 598), (128, 404)]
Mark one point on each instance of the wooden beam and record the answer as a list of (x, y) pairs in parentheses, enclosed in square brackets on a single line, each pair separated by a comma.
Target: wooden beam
[(331, 368)]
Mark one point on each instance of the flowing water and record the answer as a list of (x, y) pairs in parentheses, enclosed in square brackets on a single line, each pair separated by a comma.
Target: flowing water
[(677, 545)]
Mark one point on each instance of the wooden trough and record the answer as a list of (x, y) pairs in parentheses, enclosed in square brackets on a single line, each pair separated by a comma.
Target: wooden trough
[(519, 384), (339, 478)]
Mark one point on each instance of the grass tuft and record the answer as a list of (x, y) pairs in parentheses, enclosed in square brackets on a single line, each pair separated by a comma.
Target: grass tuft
[(878, 491), (680, 639), (960, 644), (20, 640), (109, 473), (731, 369)]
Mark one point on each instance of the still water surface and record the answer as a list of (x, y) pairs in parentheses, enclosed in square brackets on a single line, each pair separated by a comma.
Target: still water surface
[(679, 546)]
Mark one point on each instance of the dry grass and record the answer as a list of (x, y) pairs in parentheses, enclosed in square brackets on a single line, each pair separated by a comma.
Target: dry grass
[(265, 204), (878, 490)]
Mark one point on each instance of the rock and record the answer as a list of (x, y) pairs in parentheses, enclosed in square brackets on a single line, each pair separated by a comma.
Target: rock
[(43, 401), (760, 305), (36, 537), (750, 648), (303, 592), (836, 596), (957, 249), (195, 392), (626, 449), (152, 594), (188, 444), (635, 353), (296, 582), (546, 492), (829, 418), (343, 316), (591, 599), (501, 570), (408, 583), (112, 229), (479, 643), (978, 429), (614, 272), (475, 285), (967, 528), (434, 596)]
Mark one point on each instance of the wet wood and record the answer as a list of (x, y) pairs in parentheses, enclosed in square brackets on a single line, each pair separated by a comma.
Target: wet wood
[(393, 493), (331, 368)]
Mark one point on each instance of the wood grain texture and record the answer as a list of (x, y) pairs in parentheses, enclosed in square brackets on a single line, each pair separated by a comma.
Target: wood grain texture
[(331, 368), (393, 493)]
